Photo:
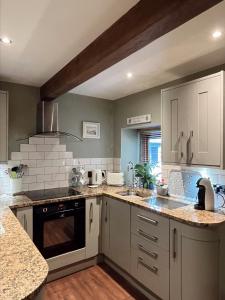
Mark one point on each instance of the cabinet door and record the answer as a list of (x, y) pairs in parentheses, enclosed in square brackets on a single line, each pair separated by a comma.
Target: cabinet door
[(3, 126), (25, 217), (207, 129), (194, 263), (105, 226), (92, 226), (172, 131), (119, 232)]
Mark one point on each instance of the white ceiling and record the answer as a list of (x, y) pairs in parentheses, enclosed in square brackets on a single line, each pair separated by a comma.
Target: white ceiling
[(47, 34), (188, 49)]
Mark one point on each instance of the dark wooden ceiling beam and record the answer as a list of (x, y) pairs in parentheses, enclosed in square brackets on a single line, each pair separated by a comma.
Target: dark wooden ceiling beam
[(142, 24)]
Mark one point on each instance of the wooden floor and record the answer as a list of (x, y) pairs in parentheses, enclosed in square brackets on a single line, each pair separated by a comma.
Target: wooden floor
[(95, 283)]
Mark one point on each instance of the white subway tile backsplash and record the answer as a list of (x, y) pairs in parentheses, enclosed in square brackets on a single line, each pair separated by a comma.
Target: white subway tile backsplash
[(51, 155), (59, 176), (36, 171), (51, 170), (44, 148), (51, 141), (29, 179), (13, 163), (28, 148), (59, 148), (63, 183), (51, 185), (69, 162), (36, 155), (31, 163), (36, 140), (58, 162), (44, 178), (63, 169), (65, 154), (35, 186), (19, 155)]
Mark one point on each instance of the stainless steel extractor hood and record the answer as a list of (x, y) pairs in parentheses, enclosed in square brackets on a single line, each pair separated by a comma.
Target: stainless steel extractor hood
[(48, 122)]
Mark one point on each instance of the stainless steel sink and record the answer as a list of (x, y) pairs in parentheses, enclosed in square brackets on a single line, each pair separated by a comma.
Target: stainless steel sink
[(165, 203), (129, 193)]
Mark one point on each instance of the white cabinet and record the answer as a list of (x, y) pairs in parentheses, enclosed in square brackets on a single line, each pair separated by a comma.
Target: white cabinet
[(192, 122), (92, 226), (116, 232), (25, 217), (3, 126), (194, 263)]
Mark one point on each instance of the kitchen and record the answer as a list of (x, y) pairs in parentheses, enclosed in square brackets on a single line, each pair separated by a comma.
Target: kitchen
[(84, 213)]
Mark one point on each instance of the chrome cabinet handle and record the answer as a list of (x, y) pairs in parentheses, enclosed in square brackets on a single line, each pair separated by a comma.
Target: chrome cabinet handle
[(147, 219), (150, 253), (153, 269), (106, 212), (25, 222), (90, 215), (189, 158), (174, 243), (148, 236)]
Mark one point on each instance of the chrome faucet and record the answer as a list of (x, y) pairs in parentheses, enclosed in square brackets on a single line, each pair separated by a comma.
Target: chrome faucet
[(130, 168)]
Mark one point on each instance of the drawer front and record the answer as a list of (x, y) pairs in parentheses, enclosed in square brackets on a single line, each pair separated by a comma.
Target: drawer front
[(152, 277), (150, 226), (152, 254)]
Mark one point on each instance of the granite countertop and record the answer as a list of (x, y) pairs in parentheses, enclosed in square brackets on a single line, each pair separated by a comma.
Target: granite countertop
[(186, 214), (22, 268)]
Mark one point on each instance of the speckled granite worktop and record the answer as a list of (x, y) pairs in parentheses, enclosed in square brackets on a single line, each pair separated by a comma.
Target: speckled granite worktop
[(186, 214), (22, 268)]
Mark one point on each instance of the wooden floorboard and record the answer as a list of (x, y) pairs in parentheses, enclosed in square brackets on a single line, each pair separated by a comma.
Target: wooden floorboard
[(95, 283)]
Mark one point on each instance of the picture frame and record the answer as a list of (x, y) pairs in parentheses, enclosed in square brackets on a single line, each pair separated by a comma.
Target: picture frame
[(91, 130)]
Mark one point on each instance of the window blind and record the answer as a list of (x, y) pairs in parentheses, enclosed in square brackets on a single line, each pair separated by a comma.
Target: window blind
[(145, 136)]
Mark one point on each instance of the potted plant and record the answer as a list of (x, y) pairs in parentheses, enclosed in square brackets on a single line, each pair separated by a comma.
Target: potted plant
[(144, 172)]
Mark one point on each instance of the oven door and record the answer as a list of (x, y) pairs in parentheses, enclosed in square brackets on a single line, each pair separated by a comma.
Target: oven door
[(60, 232)]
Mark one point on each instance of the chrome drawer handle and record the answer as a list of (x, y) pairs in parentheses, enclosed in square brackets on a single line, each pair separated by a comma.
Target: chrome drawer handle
[(148, 236), (151, 221), (150, 253), (150, 268)]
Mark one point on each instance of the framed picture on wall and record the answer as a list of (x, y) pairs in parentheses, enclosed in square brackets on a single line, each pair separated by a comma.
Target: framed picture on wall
[(91, 130)]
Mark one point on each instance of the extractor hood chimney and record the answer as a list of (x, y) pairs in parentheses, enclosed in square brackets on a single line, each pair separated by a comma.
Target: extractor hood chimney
[(48, 122)]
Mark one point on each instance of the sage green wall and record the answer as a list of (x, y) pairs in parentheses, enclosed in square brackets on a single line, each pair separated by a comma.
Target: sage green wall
[(23, 101), (148, 101), (73, 110)]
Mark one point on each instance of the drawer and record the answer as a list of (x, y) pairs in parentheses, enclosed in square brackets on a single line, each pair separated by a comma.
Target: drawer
[(152, 277), (152, 254), (150, 226)]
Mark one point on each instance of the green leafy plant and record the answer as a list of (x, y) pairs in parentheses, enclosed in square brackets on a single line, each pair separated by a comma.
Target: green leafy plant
[(144, 172)]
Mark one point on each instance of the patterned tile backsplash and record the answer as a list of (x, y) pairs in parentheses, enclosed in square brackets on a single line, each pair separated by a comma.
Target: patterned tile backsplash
[(49, 165)]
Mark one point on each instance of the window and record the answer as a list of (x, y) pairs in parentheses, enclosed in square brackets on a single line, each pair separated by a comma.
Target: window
[(151, 148)]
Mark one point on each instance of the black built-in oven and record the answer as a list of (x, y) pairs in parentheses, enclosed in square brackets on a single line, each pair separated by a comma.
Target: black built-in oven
[(59, 227)]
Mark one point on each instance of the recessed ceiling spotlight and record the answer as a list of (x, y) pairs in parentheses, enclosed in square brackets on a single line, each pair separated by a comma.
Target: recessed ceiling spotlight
[(5, 40), (216, 34), (129, 75)]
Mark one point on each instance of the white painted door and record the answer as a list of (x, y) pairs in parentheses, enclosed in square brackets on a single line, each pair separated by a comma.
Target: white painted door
[(3, 126), (207, 130), (92, 226), (172, 130), (194, 263)]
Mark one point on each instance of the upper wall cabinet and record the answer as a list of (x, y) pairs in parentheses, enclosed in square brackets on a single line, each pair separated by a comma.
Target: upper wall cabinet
[(3, 126), (192, 122)]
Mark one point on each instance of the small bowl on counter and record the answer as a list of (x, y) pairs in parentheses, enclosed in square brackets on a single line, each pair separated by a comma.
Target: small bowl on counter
[(162, 190)]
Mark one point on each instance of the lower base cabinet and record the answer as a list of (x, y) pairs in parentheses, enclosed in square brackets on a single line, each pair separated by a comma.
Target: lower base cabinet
[(194, 263), (25, 217), (116, 232)]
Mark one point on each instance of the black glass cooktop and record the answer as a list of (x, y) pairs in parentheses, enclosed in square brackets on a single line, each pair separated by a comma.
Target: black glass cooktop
[(51, 194)]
